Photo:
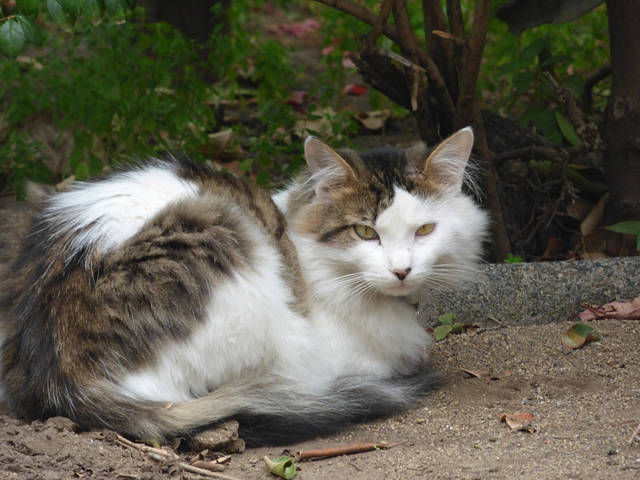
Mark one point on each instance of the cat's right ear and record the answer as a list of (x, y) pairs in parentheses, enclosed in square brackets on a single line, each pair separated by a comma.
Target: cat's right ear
[(328, 169)]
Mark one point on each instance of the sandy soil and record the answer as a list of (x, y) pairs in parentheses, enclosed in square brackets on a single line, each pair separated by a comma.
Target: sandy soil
[(586, 407)]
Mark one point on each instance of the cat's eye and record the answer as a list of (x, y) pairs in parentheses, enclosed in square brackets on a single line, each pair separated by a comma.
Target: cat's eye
[(425, 229), (365, 232)]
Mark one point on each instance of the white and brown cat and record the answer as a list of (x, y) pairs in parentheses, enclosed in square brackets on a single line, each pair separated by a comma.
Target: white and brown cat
[(165, 297)]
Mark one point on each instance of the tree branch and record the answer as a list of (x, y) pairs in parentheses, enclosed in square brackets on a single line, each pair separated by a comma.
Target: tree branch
[(363, 14), (385, 11), (471, 61)]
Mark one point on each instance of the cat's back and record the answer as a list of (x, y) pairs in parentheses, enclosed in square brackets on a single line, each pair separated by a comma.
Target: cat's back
[(99, 279)]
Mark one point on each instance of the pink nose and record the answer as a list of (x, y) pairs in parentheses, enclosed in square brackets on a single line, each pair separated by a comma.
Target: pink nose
[(401, 273)]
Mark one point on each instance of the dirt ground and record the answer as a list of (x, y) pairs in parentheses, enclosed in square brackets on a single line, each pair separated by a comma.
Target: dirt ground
[(585, 402)]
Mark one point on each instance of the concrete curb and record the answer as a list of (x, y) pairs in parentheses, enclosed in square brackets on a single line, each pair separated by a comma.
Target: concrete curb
[(536, 293)]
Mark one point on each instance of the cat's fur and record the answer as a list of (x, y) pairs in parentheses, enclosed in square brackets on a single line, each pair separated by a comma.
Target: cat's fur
[(165, 297)]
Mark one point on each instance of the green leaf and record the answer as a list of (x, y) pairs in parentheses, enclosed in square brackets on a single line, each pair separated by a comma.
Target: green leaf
[(283, 467), (441, 332), (567, 130), (116, 9), (523, 80), (578, 334), (28, 7), (447, 318), (64, 19), (31, 30), (457, 328), (94, 11), (630, 227), (12, 38), (72, 7), (82, 171)]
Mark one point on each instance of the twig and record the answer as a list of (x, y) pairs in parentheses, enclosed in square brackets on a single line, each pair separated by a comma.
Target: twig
[(495, 320), (398, 58), (168, 456), (448, 36), (205, 473), (171, 457), (635, 434), (343, 450)]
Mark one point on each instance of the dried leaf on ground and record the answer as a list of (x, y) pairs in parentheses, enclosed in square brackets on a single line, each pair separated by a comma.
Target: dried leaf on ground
[(373, 120), (578, 335), (518, 421), (283, 467), (476, 373), (622, 310)]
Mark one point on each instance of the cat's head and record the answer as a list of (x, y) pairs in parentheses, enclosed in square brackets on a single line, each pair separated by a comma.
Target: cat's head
[(391, 221)]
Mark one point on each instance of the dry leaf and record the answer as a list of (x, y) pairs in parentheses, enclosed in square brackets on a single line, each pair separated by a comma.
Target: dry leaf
[(593, 219), (373, 120), (621, 310), (319, 126), (353, 89), (476, 373), (224, 145), (518, 421), (578, 335)]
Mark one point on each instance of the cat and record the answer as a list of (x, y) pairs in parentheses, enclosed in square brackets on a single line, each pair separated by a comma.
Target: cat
[(166, 297)]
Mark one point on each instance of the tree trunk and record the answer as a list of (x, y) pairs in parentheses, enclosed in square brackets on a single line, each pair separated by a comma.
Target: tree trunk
[(622, 125)]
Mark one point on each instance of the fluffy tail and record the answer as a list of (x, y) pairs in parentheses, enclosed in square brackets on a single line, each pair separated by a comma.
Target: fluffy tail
[(270, 410)]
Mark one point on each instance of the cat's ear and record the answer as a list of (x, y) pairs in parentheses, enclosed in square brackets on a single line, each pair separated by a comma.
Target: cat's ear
[(447, 162), (328, 169)]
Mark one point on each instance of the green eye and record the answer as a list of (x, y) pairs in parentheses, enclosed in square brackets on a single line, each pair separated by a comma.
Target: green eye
[(425, 229), (365, 232)]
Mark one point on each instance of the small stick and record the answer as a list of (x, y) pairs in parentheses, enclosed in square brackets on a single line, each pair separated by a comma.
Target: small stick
[(172, 457), (205, 473), (495, 320), (635, 434), (146, 448), (343, 450)]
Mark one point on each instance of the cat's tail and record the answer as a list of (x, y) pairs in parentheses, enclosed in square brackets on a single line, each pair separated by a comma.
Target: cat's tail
[(270, 410)]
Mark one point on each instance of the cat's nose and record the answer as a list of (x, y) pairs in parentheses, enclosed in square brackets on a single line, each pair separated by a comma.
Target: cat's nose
[(401, 273)]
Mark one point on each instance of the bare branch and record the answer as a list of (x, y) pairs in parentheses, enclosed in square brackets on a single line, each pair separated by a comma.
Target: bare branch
[(472, 59), (363, 14), (385, 11)]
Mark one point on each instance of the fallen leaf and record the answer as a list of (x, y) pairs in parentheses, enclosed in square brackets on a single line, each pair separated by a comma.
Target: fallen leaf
[(621, 310), (475, 373), (318, 125), (347, 62), (352, 89), (593, 219), (223, 145), (518, 421), (283, 467), (373, 120), (578, 334)]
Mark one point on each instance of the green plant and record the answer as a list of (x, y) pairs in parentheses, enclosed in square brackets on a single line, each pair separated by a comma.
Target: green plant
[(448, 325), (17, 165), (630, 227), (18, 23), (123, 90), (511, 258), (514, 80)]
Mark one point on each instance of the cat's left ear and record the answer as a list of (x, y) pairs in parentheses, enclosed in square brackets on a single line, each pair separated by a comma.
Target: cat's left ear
[(328, 169), (447, 162)]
